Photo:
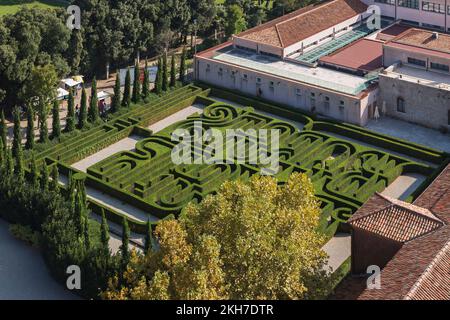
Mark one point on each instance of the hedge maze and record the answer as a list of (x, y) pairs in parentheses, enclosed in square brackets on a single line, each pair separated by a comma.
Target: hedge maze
[(344, 174)]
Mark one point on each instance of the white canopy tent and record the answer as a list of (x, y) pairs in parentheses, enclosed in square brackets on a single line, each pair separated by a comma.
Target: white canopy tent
[(62, 94)]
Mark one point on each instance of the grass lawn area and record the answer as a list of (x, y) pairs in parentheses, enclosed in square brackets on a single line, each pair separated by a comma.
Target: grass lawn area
[(12, 6)]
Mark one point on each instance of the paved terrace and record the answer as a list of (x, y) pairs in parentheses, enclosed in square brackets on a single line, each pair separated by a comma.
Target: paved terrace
[(321, 77), (418, 75)]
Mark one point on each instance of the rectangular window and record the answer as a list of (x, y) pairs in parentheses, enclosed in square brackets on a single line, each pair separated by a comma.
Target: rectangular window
[(401, 105), (412, 4), (327, 104), (245, 77), (417, 62), (440, 67), (298, 92), (433, 7)]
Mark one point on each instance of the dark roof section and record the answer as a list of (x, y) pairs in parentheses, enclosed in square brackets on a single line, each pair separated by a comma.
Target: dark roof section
[(304, 23)]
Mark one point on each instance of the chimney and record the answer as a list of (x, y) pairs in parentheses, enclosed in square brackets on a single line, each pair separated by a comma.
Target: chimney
[(435, 35)]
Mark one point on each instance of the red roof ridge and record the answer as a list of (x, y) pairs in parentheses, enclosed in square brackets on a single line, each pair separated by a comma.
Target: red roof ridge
[(428, 271), (413, 208)]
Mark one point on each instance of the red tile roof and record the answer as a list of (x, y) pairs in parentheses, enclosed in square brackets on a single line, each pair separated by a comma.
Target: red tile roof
[(364, 55), (304, 23), (397, 220), (420, 270)]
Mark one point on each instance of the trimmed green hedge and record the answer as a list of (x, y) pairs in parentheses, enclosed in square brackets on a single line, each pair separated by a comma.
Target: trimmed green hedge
[(344, 174)]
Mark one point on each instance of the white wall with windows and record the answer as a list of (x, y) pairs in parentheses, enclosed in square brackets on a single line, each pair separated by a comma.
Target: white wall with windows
[(284, 91)]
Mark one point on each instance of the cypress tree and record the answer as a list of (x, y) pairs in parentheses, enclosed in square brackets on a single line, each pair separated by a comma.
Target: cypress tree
[(56, 125), (126, 101), (29, 145), (148, 238), (115, 105), (105, 235), (54, 184), (44, 177), (82, 120), (87, 239), (9, 163), (159, 77), (17, 139), (183, 65), (34, 174), (2, 154), (70, 121), (136, 85), (125, 242), (18, 168), (93, 107), (173, 72), (43, 129), (3, 130), (165, 85), (145, 84)]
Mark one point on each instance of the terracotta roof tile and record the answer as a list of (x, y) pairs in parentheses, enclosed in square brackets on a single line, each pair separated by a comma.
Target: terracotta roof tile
[(304, 23), (396, 219), (419, 270), (424, 39)]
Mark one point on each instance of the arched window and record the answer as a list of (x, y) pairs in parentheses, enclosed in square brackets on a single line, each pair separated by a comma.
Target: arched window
[(401, 105)]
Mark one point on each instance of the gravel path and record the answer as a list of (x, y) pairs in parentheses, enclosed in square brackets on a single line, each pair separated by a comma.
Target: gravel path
[(338, 250), (411, 132), (127, 144), (176, 117), (23, 273), (403, 186)]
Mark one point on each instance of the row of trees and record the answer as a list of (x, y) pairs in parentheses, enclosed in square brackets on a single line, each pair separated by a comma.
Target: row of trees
[(36, 199), (37, 49)]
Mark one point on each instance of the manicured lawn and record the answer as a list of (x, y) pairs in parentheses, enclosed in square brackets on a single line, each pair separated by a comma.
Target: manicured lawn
[(12, 6)]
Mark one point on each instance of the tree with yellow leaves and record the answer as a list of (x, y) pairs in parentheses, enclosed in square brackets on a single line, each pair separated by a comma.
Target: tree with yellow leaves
[(252, 240)]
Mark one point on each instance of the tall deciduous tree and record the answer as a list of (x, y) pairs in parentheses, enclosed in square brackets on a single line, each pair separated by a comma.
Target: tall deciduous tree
[(252, 240), (136, 85), (93, 107), (235, 20), (126, 101), (56, 124), (83, 117), (29, 145)]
